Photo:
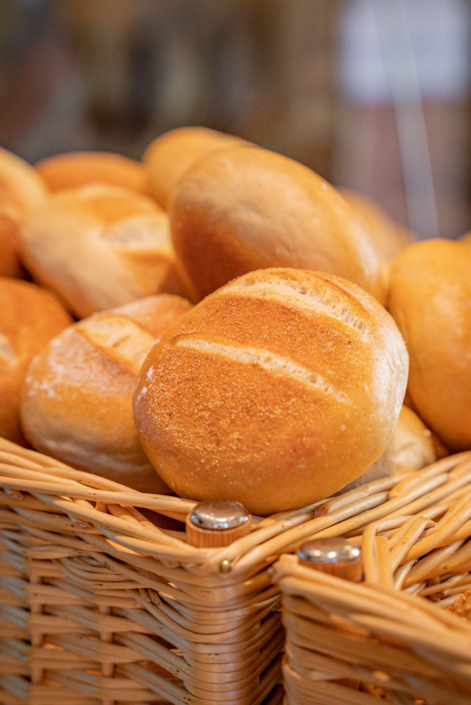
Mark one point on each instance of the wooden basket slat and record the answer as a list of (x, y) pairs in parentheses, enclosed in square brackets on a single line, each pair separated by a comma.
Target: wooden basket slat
[(119, 596)]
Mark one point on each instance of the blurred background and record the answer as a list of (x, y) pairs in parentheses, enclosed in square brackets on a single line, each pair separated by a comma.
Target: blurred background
[(371, 94)]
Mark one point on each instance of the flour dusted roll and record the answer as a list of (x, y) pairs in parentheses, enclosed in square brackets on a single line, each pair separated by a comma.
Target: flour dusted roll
[(76, 169), (21, 189), (169, 156), (77, 400), (245, 208), (29, 318), (276, 391), (100, 246), (429, 298)]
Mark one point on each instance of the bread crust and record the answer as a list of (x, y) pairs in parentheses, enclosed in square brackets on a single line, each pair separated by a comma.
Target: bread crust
[(77, 398), (29, 318), (169, 156), (99, 247), (275, 391), (411, 448), (389, 237), (21, 190), (75, 169), (429, 298), (245, 208)]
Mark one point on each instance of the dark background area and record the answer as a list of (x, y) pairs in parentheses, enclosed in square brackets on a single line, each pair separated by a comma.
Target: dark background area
[(302, 77)]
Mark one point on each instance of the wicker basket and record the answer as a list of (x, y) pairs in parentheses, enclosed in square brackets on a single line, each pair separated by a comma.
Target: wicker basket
[(105, 604), (387, 637)]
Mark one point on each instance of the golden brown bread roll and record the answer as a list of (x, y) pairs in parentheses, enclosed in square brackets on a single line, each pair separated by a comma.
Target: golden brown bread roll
[(77, 399), (76, 169), (276, 391), (245, 208), (411, 448), (461, 607), (29, 318), (389, 237), (429, 298), (20, 190), (99, 247), (169, 156)]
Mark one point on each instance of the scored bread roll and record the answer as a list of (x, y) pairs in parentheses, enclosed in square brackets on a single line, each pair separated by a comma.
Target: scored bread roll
[(100, 246), (275, 391), (76, 169), (429, 298), (21, 190), (29, 318), (245, 208), (169, 156), (389, 237), (77, 399), (411, 448)]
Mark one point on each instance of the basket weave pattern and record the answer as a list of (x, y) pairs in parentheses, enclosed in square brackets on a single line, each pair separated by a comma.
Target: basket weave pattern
[(103, 604), (358, 643)]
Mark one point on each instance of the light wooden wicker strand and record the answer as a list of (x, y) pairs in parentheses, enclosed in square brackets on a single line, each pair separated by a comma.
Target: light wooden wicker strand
[(111, 590)]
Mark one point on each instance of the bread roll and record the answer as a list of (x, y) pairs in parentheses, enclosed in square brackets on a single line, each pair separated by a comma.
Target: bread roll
[(389, 237), (169, 156), (429, 298), (77, 400), (20, 190), (29, 318), (242, 209), (99, 247), (76, 169), (411, 448), (275, 391)]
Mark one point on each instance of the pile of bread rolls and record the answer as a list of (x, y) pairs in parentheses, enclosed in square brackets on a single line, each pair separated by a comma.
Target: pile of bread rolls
[(220, 322)]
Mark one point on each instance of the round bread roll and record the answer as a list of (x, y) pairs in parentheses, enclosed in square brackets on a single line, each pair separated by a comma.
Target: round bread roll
[(99, 247), (429, 298), (29, 318), (242, 209), (411, 448), (77, 398), (21, 189), (275, 391), (389, 237), (76, 169), (169, 156)]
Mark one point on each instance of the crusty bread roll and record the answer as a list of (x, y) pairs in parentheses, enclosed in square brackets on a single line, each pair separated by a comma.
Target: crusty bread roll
[(99, 247), (76, 169), (389, 237), (20, 190), (29, 318), (411, 448), (169, 156), (275, 391), (245, 208), (429, 298), (77, 400)]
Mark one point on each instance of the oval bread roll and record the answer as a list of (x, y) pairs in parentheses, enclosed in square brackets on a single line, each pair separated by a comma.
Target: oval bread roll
[(411, 448), (169, 156), (29, 318), (429, 298), (77, 400), (99, 247), (21, 189), (275, 391), (389, 237), (76, 169), (242, 209)]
